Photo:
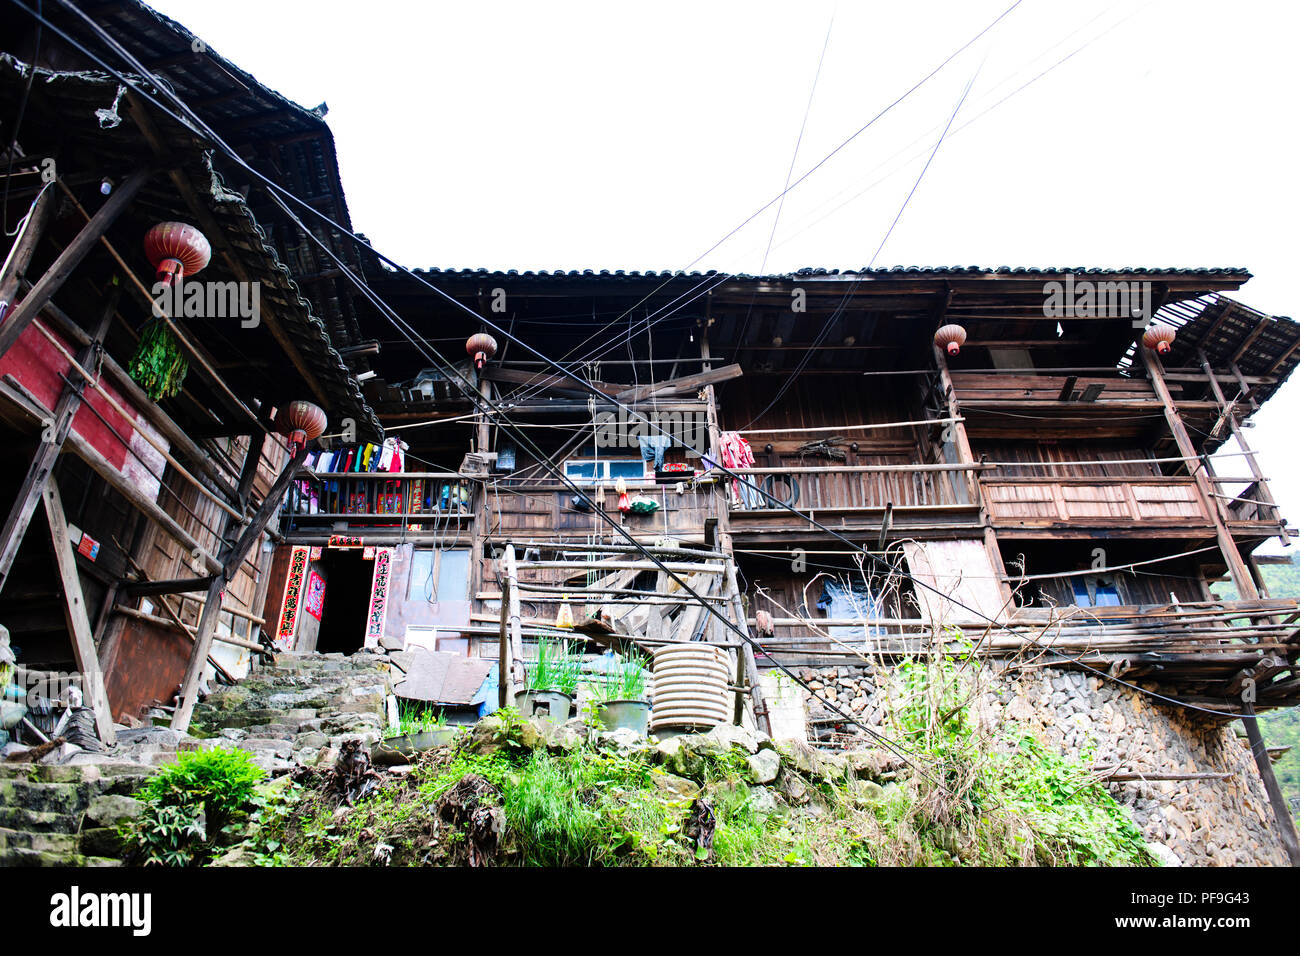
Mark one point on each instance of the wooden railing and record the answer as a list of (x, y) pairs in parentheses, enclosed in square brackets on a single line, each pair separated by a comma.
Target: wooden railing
[(1093, 500), (851, 487)]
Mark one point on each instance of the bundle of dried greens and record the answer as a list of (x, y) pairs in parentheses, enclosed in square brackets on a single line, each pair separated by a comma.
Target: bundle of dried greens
[(158, 366)]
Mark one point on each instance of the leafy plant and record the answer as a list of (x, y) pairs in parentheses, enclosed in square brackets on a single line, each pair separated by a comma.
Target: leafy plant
[(220, 780), (623, 679), (557, 667), (167, 834), (417, 719)]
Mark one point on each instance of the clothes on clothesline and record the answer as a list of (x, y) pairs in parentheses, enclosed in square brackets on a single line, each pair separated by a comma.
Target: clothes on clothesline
[(653, 448), (736, 453)]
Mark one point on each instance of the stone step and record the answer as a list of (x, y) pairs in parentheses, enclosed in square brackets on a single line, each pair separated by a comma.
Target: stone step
[(21, 856), (66, 843), (38, 821), (64, 798)]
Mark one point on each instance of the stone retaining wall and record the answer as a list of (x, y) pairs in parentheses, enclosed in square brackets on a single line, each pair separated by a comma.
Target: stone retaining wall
[(1102, 724)]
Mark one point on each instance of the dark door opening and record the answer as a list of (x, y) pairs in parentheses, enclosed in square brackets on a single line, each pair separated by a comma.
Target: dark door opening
[(347, 601)]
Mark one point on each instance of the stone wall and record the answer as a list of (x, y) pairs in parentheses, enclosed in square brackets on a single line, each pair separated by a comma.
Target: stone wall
[(1207, 822)]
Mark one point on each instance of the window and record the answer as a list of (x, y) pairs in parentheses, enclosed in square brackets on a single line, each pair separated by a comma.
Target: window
[(438, 575), (591, 471), (1095, 591), (841, 600)]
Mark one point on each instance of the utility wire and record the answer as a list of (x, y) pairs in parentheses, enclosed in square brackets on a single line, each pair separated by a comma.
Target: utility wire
[(276, 191)]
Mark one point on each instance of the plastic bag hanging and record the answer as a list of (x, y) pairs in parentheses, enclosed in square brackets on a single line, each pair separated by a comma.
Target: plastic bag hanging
[(564, 616), (624, 504)]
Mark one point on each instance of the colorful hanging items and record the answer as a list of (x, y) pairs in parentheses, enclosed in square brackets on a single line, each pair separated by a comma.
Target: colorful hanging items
[(736, 453), (624, 504), (641, 505)]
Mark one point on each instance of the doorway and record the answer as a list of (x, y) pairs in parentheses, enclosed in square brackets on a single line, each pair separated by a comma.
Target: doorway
[(347, 600)]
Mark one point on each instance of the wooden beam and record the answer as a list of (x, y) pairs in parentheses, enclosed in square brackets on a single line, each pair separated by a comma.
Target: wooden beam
[(1282, 821), (21, 255), (179, 438), (78, 620), (69, 259), (1213, 507), (677, 386), (20, 398), (53, 435)]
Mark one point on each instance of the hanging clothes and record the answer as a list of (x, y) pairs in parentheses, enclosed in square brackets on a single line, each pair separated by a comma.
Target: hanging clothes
[(653, 448), (736, 453)]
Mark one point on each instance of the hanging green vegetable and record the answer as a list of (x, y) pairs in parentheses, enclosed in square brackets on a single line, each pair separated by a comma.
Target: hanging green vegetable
[(158, 366)]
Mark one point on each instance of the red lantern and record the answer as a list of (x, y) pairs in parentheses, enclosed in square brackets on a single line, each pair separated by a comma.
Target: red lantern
[(302, 422), (176, 250), (1159, 337), (950, 338), (480, 347)]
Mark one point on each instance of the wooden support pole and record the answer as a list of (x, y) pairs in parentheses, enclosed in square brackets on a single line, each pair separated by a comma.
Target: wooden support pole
[(42, 212), (1213, 507), (518, 676), (1282, 820), (748, 665), (74, 612), (961, 443), (505, 688), (1266, 496), (53, 435), (69, 259), (230, 560)]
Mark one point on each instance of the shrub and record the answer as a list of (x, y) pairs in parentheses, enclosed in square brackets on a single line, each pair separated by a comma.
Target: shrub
[(189, 802)]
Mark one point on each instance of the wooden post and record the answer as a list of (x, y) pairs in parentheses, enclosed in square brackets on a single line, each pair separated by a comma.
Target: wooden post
[(69, 259), (21, 398), (961, 442), (41, 213), (748, 665), (518, 672), (53, 435), (230, 560), (1266, 496), (505, 689), (1232, 557), (1282, 820), (74, 612)]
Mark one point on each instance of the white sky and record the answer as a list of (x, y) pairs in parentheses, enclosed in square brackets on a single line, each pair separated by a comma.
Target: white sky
[(615, 135)]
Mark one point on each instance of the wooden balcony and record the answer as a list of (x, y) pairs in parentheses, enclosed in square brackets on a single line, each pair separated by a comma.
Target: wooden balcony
[(547, 510), (403, 501), (917, 497)]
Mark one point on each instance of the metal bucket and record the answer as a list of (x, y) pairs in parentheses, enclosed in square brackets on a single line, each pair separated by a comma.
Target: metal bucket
[(691, 687), (631, 715)]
